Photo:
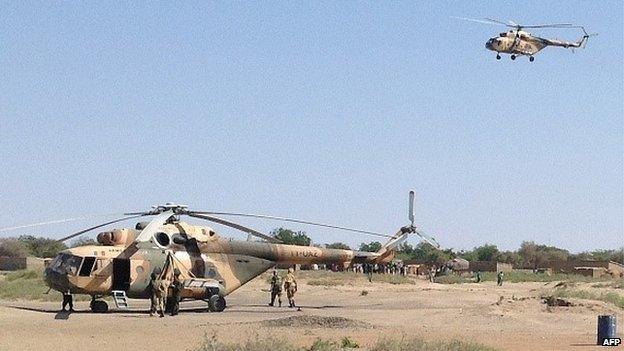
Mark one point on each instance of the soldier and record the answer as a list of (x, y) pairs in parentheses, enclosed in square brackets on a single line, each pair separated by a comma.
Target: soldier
[(432, 273), (68, 299), (176, 289), (158, 287), (290, 285), (369, 272), (499, 278), (478, 276), (276, 289)]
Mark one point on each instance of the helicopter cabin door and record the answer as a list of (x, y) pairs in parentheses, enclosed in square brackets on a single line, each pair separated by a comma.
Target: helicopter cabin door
[(121, 274)]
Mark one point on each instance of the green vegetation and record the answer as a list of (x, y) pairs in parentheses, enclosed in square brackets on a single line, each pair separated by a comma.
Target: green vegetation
[(453, 279), (517, 277), (387, 344), (415, 344), (616, 284), (27, 285), (609, 297), (28, 245), (83, 241), (329, 278), (12, 247), (338, 245), (371, 247), (529, 255), (290, 237)]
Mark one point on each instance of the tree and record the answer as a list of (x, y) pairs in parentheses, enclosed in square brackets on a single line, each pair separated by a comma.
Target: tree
[(511, 257), (370, 247), (290, 237), (83, 241), (11, 247), (536, 256), (42, 247), (338, 245), (427, 253)]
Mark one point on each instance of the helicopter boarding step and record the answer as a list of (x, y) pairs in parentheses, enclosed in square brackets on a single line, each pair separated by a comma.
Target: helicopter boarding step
[(121, 301)]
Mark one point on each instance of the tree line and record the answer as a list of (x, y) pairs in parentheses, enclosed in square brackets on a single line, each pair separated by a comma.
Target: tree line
[(529, 255)]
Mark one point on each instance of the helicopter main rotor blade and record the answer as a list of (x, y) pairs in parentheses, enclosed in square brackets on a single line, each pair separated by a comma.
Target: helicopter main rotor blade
[(235, 226), (489, 21), (57, 221), (97, 226), (427, 238), (284, 219), (553, 25), (508, 24)]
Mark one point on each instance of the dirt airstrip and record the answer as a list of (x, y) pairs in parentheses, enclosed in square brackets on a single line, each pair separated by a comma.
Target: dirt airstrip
[(512, 317)]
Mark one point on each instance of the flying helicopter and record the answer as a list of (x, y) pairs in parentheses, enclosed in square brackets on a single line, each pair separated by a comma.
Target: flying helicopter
[(211, 266), (518, 42)]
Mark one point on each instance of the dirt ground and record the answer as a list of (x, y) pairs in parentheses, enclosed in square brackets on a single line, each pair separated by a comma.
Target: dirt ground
[(511, 317)]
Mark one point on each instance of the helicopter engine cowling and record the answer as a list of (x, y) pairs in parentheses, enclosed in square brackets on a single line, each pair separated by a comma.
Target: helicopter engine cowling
[(117, 237)]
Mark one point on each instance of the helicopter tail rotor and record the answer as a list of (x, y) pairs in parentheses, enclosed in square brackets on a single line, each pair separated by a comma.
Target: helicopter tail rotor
[(583, 41)]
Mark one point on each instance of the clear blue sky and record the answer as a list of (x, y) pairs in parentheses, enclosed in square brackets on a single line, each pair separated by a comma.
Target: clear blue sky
[(328, 111)]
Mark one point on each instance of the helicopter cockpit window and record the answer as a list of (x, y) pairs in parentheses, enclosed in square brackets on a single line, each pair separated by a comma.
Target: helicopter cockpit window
[(67, 263), (87, 266), (503, 34), (73, 264)]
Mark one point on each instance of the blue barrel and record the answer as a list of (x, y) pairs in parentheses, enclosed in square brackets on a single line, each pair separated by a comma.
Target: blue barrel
[(606, 327)]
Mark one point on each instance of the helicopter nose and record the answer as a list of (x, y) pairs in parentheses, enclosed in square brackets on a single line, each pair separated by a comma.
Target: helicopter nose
[(56, 280), (488, 44)]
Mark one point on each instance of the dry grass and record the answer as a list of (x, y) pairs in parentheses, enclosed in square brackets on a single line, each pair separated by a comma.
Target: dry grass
[(387, 344), (329, 278), (518, 277), (609, 297), (29, 285)]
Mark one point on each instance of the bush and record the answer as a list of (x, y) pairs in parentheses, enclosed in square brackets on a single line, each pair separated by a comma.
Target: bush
[(414, 344), (42, 247), (12, 247)]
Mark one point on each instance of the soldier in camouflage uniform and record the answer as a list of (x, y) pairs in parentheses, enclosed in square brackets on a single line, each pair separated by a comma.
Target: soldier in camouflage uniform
[(276, 289), (158, 286), (290, 285), (176, 289)]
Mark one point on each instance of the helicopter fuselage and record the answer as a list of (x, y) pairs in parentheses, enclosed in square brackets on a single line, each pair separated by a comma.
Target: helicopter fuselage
[(199, 252), (516, 43)]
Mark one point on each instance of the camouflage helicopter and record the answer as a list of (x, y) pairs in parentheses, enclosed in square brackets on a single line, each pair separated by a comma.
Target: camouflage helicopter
[(211, 266), (518, 42)]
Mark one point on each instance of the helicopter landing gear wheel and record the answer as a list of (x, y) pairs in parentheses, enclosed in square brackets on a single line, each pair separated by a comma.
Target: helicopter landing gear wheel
[(498, 57), (513, 57), (531, 58), (98, 306), (216, 303)]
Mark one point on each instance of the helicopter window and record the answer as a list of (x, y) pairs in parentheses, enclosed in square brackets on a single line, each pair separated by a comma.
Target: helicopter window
[(72, 264), (503, 34), (87, 266)]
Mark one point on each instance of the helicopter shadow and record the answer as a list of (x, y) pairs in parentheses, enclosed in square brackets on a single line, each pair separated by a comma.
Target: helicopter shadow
[(289, 309)]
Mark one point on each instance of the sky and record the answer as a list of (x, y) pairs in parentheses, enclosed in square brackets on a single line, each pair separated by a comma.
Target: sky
[(319, 110)]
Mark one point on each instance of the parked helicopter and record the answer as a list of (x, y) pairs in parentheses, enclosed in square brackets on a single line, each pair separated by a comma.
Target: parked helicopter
[(211, 267), (519, 42)]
